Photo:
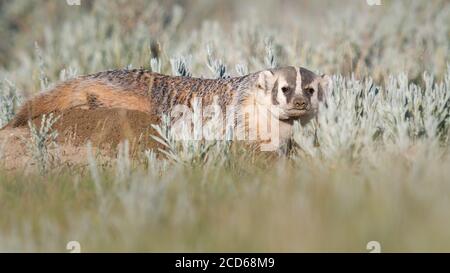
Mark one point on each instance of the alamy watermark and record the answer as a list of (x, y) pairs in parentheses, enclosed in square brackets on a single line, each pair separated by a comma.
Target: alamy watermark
[(73, 2), (373, 2), (373, 247), (211, 122), (74, 247)]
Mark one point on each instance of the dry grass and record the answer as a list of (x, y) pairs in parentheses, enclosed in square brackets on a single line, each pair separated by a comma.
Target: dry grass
[(380, 173)]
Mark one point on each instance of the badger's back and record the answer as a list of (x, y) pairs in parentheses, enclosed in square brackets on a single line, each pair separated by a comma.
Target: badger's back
[(136, 89)]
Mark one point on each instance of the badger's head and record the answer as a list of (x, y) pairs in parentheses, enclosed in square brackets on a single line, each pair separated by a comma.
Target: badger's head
[(292, 93)]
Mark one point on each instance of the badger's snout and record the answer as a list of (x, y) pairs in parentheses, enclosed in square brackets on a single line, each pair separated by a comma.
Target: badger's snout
[(299, 106), (300, 103)]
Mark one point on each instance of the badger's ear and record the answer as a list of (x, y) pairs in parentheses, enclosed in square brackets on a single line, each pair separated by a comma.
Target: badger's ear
[(266, 80), (325, 87)]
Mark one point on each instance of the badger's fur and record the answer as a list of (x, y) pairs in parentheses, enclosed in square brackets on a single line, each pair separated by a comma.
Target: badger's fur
[(289, 93)]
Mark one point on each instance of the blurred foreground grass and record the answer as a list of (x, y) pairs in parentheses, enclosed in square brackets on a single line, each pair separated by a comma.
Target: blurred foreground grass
[(295, 205)]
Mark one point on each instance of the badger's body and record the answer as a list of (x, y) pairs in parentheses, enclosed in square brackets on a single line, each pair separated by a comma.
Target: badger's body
[(138, 89), (158, 94)]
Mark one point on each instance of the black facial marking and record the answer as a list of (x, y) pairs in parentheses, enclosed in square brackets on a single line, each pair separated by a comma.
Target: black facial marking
[(289, 94), (289, 74), (307, 77), (274, 94), (291, 79)]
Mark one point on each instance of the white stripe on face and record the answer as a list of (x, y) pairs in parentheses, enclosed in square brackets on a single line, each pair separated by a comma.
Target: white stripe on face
[(281, 98), (298, 85)]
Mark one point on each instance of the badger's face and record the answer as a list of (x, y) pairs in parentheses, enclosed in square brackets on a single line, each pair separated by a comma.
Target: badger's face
[(293, 93)]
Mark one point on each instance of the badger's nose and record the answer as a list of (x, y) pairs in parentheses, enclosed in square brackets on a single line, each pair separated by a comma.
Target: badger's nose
[(300, 103)]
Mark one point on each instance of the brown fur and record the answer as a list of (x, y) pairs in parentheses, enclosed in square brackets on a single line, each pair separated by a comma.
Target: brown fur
[(82, 93), (128, 89), (157, 94)]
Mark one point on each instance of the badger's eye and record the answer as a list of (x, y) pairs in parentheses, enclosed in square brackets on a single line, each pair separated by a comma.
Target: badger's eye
[(285, 89), (310, 91)]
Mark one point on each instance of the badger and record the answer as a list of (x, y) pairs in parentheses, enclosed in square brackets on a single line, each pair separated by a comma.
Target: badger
[(280, 96)]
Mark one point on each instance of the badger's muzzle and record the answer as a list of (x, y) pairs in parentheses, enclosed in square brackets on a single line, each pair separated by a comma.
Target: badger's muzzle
[(299, 106), (300, 103)]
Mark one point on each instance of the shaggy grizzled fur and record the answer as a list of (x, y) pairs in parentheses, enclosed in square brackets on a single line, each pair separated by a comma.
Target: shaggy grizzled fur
[(287, 88), (159, 92), (165, 91)]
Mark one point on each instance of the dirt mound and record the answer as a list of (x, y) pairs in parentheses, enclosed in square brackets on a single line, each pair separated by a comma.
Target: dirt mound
[(105, 128)]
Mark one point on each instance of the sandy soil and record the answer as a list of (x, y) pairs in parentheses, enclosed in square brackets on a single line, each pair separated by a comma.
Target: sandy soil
[(105, 128)]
